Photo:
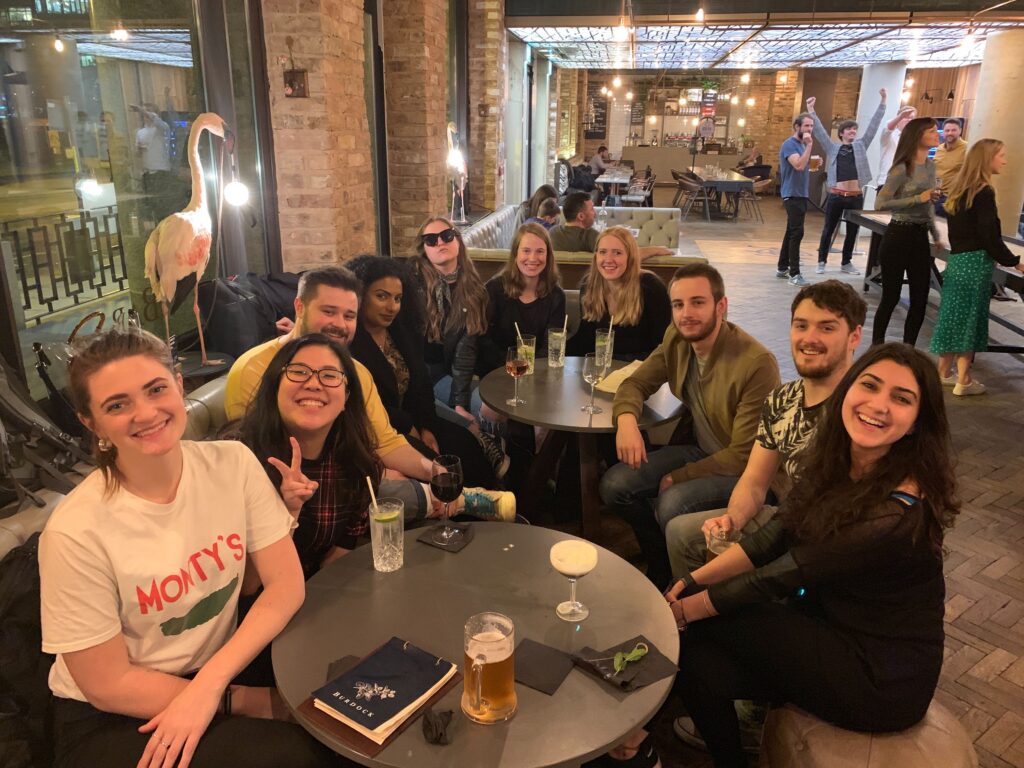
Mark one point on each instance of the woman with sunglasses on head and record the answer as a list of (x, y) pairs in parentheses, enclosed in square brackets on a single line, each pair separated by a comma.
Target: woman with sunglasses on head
[(836, 606), (388, 341), (909, 192), (140, 569), (616, 288)]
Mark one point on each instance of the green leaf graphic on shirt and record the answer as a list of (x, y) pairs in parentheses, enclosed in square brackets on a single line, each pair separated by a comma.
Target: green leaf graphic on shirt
[(201, 612)]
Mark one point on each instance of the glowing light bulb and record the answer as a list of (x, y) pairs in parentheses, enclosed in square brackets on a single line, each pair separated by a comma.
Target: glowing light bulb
[(653, 119), (620, 34), (616, 82), (745, 78), (604, 90), (119, 33), (629, 95), (909, 83), (741, 122), (695, 122), (906, 96), (734, 100), (236, 193), (88, 186), (58, 45), (783, 78), (751, 102), (682, 100), (700, 14)]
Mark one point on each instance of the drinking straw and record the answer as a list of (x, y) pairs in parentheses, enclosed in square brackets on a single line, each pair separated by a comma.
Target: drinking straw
[(518, 334), (373, 496), (565, 325), (611, 322)]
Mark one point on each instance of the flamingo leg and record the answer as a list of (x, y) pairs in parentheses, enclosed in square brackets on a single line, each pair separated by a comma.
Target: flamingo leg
[(167, 322), (199, 327)]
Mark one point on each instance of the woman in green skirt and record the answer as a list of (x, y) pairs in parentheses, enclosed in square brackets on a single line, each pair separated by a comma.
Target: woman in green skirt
[(975, 244)]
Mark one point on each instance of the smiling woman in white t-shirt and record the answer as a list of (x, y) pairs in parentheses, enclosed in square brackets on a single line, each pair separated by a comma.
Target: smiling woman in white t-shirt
[(140, 569)]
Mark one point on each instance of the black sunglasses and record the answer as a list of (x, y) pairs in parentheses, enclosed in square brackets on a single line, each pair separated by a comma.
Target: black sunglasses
[(431, 238)]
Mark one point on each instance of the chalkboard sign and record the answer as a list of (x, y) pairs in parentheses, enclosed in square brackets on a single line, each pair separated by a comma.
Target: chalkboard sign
[(636, 114), (599, 128)]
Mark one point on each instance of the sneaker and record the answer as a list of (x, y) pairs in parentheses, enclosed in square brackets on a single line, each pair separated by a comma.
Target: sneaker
[(948, 381), (849, 269), (494, 450), (686, 731), (798, 280), (646, 756), (782, 274), (820, 269), (489, 505), (973, 387)]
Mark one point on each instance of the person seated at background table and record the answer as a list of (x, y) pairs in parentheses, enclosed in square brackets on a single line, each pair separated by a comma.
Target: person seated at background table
[(825, 328), (836, 605), (547, 215), (309, 428), (577, 234), (388, 341), (616, 286), (723, 376), (529, 209), (140, 567), (328, 303), (976, 244), (601, 161)]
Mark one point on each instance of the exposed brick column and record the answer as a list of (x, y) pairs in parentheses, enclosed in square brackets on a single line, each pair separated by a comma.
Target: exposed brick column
[(322, 143), (488, 94), (416, 96)]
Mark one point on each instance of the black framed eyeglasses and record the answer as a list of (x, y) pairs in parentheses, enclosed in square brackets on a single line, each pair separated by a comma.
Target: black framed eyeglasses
[(446, 235), (331, 378)]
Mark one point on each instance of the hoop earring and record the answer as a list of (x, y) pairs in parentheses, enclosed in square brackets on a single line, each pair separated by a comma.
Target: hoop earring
[(103, 444)]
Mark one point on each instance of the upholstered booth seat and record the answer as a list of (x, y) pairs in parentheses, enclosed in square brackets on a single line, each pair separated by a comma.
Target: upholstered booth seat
[(658, 226), (794, 739), (495, 230)]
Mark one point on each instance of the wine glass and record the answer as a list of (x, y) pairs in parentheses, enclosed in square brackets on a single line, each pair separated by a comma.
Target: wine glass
[(574, 559), (516, 364), (593, 370), (446, 486)]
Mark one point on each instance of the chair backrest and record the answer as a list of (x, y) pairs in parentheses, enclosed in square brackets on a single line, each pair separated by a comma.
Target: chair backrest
[(676, 175), (763, 185)]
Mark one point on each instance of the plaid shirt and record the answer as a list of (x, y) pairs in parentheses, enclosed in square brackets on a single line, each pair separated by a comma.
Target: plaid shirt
[(326, 520)]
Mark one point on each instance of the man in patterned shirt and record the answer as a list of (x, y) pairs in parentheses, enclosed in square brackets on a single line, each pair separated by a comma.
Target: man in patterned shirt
[(825, 329)]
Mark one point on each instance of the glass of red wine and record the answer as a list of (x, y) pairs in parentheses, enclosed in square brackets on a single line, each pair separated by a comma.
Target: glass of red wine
[(516, 364), (446, 486)]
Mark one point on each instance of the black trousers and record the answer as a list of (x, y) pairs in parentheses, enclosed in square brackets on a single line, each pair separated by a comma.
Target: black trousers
[(477, 471), (776, 653), (904, 250), (789, 253), (834, 207)]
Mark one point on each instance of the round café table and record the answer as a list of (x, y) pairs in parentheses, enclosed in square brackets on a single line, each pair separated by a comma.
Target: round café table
[(554, 397), (350, 609)]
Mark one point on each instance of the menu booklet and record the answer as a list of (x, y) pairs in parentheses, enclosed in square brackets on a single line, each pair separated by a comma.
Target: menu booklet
[(382, 691)]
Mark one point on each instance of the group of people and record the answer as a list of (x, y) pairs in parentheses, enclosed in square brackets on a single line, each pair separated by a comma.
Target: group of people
[(840, 481), (956, 185)]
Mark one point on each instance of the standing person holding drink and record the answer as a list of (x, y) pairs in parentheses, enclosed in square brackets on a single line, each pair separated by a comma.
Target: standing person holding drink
[(848, 173), (909, 192), (794, 162), (976, 243)]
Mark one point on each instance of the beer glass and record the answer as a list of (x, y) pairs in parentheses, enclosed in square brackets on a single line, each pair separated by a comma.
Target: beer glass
[(489, 685), (720, 540), (815, 163)]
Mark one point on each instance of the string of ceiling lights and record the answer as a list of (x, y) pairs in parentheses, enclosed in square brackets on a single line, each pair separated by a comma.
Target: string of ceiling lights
[(118, 34)]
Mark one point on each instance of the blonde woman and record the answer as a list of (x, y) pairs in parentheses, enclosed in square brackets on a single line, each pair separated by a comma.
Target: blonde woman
[(976, 243), (615, 286)]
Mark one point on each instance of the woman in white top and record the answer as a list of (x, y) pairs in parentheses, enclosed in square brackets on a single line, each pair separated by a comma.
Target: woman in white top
[(140, 570)]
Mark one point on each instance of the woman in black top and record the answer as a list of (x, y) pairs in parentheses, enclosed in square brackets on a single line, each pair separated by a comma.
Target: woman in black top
[(856, 556), (976, 243), (388, 341), (525, 291), (615, 286)]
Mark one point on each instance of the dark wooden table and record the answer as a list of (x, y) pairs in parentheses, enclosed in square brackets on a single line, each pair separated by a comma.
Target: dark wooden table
[(553, 400), (725, 183)]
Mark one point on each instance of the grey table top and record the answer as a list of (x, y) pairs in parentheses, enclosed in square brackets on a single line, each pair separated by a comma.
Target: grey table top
[(554, 397), (350, 609), (724, 180)]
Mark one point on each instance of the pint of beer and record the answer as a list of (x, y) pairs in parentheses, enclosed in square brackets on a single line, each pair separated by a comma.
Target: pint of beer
[(815, 163), (489, 686)]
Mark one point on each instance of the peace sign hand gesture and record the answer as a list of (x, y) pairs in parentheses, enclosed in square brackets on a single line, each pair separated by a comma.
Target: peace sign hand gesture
[(296, 488)]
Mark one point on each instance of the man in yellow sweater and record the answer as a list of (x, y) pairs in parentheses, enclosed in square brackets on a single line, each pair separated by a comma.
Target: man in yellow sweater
[(722, 375)]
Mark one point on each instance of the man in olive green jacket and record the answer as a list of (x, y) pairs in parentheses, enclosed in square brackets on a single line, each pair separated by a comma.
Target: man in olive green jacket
[(723, 376)]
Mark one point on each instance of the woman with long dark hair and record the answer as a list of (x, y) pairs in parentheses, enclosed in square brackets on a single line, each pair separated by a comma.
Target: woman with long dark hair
[(976, 244), (140, 568), (909, 192), (836, 605), (388, 340), (530, 208)]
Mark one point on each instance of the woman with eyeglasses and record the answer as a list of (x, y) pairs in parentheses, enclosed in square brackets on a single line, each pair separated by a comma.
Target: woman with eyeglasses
[(456, 316), (388, 341), (616, 287)]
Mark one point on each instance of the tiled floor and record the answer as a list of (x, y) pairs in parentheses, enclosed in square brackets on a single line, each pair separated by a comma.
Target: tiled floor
[(983, 677)]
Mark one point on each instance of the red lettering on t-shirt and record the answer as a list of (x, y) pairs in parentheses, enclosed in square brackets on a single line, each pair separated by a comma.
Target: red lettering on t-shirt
[(172, 587), (151, 599), (234, 541), (213, 553)]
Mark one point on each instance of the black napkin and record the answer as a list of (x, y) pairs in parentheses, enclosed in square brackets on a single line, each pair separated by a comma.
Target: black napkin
[(436, 726), (651, 668), (540, 666), (427, 537)]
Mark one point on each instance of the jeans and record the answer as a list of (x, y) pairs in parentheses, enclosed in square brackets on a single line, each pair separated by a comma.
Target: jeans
[(904, 249), (414, 498), (834, 207), (789, 253), (687, 547), (443, 391), (633, 495)]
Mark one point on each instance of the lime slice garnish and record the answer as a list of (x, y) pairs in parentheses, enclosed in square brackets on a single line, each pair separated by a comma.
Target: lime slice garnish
[(386, 517)]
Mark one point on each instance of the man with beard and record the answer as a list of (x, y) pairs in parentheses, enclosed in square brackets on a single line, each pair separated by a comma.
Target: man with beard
[(723, 376), (825, 329), (328, 302)]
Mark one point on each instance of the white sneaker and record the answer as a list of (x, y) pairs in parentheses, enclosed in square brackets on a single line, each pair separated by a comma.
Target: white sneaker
[(798, 280), (974, 387), (782, 274), (820, 269), (849, 269), (948, 381)]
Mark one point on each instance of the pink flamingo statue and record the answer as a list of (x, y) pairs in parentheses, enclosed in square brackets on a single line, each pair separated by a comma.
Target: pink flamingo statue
[(178, 249)]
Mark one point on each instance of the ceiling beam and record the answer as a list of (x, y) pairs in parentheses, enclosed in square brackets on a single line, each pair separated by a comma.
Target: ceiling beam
[(739, 45), (850, 44)]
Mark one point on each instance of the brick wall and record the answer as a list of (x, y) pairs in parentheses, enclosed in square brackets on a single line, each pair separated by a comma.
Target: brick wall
[(847, 93), (322, 143), (488, 94), (567, 82), (416, 72)]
